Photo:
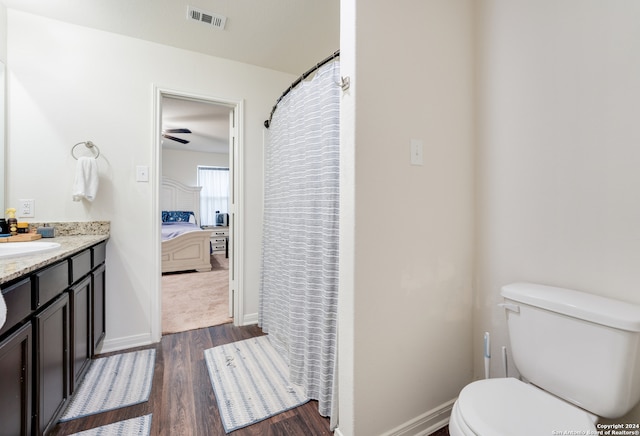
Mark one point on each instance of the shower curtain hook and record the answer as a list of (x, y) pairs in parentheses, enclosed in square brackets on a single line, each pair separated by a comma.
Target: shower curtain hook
[(345, 83)]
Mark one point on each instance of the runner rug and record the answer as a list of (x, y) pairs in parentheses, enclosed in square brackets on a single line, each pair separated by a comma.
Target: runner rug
[(140, 426), (251, 382), (113, 382)]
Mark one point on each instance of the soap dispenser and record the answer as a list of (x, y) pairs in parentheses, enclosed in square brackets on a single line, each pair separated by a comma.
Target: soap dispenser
[(12, 221)]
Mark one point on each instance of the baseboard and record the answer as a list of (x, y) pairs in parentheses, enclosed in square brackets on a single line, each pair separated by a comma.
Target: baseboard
[(142, 340), (426, 423), (249, 319), (337, 432), (125, 343)]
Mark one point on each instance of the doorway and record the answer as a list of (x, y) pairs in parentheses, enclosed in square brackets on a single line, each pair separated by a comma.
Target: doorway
[(193, 130)]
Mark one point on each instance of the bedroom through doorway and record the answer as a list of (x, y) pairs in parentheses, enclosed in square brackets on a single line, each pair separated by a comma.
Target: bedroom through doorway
[(197, 145)]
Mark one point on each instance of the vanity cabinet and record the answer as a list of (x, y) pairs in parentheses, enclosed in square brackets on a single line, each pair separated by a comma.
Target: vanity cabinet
[(80, 299), (55, 324), (52, 362), (16, 370), (98, 296)]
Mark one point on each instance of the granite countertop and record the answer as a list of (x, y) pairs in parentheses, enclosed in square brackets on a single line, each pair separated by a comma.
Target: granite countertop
[(70, 243)]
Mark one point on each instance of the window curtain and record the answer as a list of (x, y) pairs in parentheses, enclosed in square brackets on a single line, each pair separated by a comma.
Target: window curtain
[(299, 277), (214, 195)]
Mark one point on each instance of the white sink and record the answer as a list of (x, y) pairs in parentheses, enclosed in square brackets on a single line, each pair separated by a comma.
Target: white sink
[(14, 249)]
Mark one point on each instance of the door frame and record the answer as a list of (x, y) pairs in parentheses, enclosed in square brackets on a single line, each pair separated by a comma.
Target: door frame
[(236, 221)]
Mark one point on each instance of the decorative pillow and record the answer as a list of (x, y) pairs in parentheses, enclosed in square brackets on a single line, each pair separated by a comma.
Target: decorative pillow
[(176, 216)]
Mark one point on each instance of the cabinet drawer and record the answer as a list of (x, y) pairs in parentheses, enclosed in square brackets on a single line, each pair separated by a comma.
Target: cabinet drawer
[(80, 265), (99, 254), (220, 233), (50, 283), (18, 300), (218, 240)]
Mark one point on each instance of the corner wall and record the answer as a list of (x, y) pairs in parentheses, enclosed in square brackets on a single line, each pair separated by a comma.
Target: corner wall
[(407, 231), (558, 153)]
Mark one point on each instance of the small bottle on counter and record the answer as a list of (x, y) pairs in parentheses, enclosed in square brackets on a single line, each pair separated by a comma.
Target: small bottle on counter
[(12, 221)]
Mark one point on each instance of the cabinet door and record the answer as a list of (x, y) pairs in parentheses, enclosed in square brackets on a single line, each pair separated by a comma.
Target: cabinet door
[(18, 300), (16, 376), (98, 307), (80, 299), (52, 362)]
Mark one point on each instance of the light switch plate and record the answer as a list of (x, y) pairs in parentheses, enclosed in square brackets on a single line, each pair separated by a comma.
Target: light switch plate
[(416, 152)]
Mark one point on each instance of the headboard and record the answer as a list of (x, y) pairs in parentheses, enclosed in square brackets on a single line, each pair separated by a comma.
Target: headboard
[(176, 196)]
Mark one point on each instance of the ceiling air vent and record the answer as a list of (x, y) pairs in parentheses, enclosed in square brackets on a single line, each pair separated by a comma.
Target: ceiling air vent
[(215, 20)]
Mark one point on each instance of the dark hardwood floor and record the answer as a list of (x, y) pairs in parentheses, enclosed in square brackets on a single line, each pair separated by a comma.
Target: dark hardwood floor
[(182, 400)]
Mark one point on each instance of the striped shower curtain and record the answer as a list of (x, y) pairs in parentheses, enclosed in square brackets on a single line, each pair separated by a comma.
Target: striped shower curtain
[(299, 282)]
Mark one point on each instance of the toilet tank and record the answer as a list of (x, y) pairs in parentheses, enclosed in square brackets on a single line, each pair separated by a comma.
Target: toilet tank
[(580, 347)]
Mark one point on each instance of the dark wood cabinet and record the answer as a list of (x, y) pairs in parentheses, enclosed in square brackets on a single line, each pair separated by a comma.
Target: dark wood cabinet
[(55, 325), (81, 343), (16, 394), (17, 297), (52, 362), (98, 293)]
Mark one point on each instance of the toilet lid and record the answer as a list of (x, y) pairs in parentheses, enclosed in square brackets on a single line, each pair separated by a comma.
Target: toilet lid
[(507, 406)]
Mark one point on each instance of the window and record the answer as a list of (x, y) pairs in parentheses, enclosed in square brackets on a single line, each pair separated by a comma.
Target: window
[(215, 193)]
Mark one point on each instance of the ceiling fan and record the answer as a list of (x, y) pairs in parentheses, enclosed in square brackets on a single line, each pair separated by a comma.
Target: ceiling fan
[(165, 134)]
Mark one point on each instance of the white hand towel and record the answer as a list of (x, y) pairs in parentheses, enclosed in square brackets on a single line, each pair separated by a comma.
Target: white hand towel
[(85, 184), (3, 311)]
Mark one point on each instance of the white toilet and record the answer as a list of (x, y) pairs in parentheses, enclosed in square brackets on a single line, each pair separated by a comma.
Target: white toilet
[(579, 354)]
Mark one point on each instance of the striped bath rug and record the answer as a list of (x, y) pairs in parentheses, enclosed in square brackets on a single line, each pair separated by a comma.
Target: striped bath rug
[(140, 426), (251, 382), (113, 382)]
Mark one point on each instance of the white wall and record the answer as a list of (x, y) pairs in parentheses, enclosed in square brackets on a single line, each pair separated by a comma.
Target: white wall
[(68, 84), (3, 33), (3, 59), (182, 165), (558, 153), (406, 253)]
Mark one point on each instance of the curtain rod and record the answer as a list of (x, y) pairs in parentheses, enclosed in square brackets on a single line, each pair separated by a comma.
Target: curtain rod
[(306, 74)]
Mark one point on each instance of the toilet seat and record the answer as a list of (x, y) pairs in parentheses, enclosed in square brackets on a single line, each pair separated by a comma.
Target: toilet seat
[(507, 406)]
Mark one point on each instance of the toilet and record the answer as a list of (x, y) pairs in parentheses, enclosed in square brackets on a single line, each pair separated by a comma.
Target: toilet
[(579, 358)]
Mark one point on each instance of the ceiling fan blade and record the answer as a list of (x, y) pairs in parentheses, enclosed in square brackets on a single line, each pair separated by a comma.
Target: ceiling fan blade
[(177, 131), (173, 138)]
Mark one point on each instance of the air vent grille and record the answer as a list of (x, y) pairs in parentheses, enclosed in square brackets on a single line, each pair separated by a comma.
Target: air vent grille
[(211, 19)]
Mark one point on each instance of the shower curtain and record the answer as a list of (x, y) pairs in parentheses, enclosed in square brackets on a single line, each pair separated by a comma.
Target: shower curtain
[(299, 282)]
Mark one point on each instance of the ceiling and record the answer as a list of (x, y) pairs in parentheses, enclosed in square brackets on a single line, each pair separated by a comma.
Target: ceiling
[(283, 35), (209, 125)]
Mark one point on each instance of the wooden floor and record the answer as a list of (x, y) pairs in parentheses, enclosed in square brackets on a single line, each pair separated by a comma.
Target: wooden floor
[(182, 400)]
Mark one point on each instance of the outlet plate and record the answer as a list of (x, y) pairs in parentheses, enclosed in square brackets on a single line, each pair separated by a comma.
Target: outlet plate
[(26, 208), (142, 173)]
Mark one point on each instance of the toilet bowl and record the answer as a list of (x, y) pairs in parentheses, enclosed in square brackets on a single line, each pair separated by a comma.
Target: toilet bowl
[(555, 336), (507, 406)]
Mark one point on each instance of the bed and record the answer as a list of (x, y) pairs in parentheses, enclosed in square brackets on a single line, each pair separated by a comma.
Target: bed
[(185, 246)]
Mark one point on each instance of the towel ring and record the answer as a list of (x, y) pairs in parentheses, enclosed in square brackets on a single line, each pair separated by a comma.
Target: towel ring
[(89, 145)]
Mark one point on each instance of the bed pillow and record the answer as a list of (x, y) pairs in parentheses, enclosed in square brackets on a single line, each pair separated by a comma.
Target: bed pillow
[(177, 216)]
